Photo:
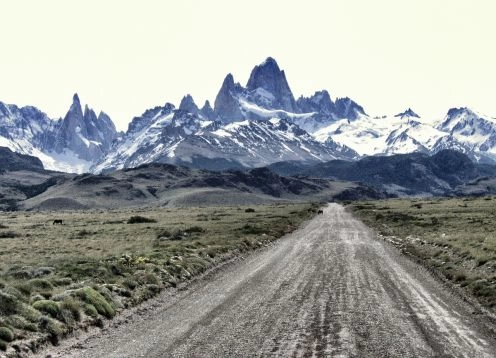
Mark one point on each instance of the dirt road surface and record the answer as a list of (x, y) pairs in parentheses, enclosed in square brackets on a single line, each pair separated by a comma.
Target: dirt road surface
[(328, 290)]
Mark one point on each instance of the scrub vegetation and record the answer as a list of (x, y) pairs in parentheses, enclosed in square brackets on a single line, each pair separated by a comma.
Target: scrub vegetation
[(456, 237), (55, 278)]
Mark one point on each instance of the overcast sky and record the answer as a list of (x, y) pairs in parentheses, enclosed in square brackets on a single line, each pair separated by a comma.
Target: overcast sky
[(123, 57)]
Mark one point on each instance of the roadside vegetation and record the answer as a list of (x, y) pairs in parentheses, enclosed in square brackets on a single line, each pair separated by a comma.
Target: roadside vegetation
[(455, 237), (55, 278)]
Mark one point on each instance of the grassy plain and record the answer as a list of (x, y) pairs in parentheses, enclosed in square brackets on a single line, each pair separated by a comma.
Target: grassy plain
[(57, 277), (456, 237)]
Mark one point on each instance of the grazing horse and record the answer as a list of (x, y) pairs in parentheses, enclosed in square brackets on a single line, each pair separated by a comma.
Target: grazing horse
[(320, 212), (57, 221)]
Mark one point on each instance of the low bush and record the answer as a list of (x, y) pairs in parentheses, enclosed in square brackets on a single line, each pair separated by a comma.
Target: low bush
[(94, 298), (52, 327), (9, 304), (194, 229), (6, 334), (47, 306), (253, 230), (90, 310), (70, 311), (140, 220), (8, 235), (249, 210)]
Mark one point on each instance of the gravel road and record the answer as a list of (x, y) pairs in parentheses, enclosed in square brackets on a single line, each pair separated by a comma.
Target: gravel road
[(327, 290)]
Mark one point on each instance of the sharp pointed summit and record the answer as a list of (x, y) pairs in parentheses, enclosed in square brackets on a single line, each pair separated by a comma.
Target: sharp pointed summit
[(408, 113), (208, 111), (226, 103), (188, 104), (268, 87)]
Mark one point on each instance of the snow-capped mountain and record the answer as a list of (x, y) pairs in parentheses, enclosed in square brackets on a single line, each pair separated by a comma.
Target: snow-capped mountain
[(70, 144), (248, 126)]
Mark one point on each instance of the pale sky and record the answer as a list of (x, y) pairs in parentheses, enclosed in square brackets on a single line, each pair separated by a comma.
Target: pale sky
[(123, 57)]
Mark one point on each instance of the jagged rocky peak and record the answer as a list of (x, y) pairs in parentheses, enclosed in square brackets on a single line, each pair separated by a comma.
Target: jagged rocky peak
[(188, 105), (207, 111), (75, 110), (83, 133), (320, 102), (409, 113), (226, 103), (455, 115), (148, 117), (456, 112), (347, 108), (268, 87)]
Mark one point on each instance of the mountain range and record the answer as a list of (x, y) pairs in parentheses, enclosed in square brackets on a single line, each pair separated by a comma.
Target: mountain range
[(248, 126), (446, 173)]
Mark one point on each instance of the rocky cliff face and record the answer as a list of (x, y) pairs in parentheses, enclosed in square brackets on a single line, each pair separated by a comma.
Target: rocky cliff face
[(83, 133), (269, 88)]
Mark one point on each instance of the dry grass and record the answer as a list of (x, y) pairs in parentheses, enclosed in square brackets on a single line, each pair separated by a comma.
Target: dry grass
[(54, 278), (455, 237)]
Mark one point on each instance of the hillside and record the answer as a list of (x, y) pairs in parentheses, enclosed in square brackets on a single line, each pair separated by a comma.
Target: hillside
[(445, 173)]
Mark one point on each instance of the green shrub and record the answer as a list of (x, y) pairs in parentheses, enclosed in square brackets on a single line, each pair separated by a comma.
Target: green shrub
[(47, 306), (70, 311), (129, 283), (36, 285), (52, 327), (93, 297), (164, 234), (148, 278), (140, 219), (194, 229), (6, 334), (252, 230), (8, 235), (3, 345), (20, 322), (90, 310), (29, 313), (63, 281), (9, 304)]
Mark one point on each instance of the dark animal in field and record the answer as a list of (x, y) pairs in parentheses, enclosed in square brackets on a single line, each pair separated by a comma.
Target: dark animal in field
[(57, 221), (320, 212)]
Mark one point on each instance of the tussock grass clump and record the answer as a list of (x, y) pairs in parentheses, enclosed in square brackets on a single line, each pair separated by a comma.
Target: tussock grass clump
[(47, 306), (252, 230), (194, 229), (9, 304), (38, 285), (94, 298), (90, 310), (8, 235), (6, 334), (21, 323), (52, 327), (70, 311), (137, 219)]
